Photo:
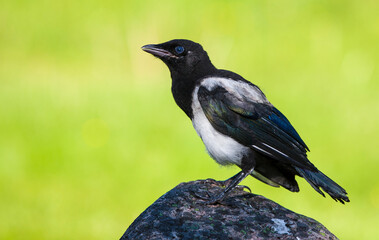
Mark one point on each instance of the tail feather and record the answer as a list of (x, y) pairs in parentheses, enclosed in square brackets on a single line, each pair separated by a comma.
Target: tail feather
[(319, 180)]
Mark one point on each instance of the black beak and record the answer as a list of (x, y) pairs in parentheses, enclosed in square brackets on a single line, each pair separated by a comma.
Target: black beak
[(157, 51)]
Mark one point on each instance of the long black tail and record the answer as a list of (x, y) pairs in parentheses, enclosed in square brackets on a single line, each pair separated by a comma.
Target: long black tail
[(319, 180)]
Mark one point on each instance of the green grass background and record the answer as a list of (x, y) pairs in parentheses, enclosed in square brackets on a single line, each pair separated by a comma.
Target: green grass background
[(90, 135)]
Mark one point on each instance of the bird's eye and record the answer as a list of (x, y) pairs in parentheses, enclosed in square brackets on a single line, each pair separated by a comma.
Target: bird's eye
[(179, 49)]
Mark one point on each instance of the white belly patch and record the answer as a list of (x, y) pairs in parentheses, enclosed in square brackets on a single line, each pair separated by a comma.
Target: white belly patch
[(224, 149)]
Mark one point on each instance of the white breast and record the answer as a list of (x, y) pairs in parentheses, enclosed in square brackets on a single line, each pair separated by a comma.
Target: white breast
[(224, 149)]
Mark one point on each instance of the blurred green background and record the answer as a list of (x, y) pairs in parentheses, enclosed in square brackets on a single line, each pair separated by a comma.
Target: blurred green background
[(90, 135)]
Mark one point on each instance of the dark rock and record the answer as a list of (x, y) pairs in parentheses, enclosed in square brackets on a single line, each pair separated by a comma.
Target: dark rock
[(180, 214)]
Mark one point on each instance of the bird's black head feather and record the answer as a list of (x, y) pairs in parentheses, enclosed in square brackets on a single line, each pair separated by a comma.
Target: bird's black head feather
[(188, 64), (182, 57)]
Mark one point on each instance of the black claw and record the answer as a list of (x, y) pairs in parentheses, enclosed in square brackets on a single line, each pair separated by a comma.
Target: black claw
[(210, 180), (243, 187), (209, 200), (229, 184), (202, 197)]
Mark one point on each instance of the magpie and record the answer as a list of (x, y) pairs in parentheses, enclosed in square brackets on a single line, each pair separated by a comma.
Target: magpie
[(237, 124)]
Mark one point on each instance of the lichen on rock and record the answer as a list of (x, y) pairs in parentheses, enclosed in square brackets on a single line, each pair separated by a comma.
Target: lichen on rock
[(180, 214)]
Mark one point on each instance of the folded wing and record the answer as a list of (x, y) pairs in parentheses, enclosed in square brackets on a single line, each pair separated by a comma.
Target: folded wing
[(253, 123)]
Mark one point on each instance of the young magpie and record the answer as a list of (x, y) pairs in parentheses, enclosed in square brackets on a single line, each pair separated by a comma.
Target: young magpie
[(237, 123)]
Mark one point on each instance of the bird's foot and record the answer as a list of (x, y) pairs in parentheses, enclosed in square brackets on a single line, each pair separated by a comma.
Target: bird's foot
[(211, 181), (221, 183), (243, 187), (208, 197), (216, 198), (228, 185), (205, 198), (210, 200)]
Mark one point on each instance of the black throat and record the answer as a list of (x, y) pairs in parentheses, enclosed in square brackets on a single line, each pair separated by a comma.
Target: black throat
[(183, 85)]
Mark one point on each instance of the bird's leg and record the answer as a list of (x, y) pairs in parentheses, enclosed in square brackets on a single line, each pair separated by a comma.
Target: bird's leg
[(231, 183), (229, 180), (222, 183)]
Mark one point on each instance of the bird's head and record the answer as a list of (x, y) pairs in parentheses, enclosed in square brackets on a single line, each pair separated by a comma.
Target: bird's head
[(182, 57)]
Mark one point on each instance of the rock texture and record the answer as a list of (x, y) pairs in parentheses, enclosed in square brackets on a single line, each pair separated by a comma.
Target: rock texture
[(181, 214)]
